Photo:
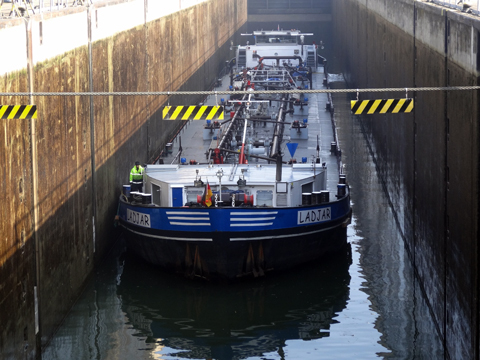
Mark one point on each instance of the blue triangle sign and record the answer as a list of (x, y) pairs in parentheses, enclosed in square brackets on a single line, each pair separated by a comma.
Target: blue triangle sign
[(292, 147)]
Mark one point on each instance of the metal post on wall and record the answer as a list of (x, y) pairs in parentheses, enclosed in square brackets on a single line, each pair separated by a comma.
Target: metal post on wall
[(33, 145), (92, 123), (147, 82)]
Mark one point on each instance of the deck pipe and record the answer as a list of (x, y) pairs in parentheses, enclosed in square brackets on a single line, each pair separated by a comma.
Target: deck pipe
[(279, 162), (275, 149)]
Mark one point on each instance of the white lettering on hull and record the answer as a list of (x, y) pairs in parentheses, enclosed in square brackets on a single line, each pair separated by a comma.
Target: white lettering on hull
[(138, 218), (314, 216)]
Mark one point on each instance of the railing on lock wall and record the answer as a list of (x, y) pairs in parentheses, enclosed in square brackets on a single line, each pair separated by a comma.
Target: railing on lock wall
[(24, 8), (466, 6)]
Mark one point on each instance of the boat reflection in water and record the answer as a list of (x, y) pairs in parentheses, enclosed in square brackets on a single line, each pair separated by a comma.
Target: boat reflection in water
[(185, 319)]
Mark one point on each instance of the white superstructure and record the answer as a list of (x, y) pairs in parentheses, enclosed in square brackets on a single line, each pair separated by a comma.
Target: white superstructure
[(272, 48)]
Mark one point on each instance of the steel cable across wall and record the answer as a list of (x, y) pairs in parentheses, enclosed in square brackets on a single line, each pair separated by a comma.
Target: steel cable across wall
[(227, 92)]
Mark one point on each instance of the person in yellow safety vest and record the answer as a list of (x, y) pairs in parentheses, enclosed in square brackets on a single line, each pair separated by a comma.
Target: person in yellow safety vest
[(136, 177)]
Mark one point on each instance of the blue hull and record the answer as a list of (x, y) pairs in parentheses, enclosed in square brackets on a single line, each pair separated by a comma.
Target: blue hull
[(229, 243)]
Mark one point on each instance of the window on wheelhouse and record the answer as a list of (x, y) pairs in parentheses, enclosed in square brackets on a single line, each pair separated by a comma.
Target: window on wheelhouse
[(275, 39), (193, 193), (264, 198), (156, 194)]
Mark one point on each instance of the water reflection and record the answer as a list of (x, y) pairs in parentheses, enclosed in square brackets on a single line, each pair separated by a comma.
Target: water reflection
[(187, 319), (404, 321)]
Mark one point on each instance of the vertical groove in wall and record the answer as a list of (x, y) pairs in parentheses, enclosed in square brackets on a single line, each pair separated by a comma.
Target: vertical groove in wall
[(477, 252), (147, 79), (413, 247), (34, 189), (92, 123), (446, 231)]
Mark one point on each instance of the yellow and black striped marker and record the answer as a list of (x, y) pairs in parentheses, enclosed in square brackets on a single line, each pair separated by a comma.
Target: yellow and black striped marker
[(18, 111), (384, 106), (202, 112)]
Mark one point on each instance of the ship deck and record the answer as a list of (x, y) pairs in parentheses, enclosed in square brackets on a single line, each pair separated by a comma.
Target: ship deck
[(194, 147)]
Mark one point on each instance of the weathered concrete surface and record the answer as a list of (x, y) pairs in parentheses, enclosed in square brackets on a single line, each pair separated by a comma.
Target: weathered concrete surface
[(55, 250), (429, 160), (298, 12), (17, 256)]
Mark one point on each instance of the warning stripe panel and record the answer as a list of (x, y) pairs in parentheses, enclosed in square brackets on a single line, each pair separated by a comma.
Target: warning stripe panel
[(18, 111), (203, 112), (384, 106)]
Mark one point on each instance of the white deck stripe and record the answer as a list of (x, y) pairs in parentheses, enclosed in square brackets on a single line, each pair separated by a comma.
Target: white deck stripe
[(257, 224), (254, 213), (252, 219), (187, 218), (189, 224), (186, 213)]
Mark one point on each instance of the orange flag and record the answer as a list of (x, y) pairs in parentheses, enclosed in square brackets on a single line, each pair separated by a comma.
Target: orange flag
[(208, 196)]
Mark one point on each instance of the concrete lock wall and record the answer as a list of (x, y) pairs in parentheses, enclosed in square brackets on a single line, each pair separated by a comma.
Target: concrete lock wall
[(428, 160), (60, 195)]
